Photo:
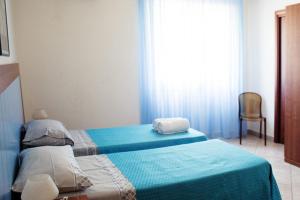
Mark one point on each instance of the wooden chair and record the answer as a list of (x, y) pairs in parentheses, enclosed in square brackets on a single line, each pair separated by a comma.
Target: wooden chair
[(250, 110)]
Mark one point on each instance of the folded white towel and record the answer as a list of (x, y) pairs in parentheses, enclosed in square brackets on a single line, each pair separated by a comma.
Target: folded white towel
[(171, 125), (158, 120)]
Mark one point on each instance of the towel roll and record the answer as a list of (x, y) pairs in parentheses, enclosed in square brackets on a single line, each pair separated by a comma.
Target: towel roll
[(171, 125), (158, 120)]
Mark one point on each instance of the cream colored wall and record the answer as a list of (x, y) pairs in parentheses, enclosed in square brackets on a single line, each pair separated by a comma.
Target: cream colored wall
[(79, 60), (260, 51), (12, 57)]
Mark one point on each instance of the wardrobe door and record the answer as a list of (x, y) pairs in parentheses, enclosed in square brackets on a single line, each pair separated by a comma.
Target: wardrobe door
[(292, 86)]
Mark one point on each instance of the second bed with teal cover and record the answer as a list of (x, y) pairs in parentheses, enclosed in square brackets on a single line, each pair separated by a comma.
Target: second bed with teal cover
[(138, 137), (211, 170)]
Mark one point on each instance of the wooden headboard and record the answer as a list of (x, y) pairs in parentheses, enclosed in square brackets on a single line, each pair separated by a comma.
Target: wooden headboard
[(11, 120)]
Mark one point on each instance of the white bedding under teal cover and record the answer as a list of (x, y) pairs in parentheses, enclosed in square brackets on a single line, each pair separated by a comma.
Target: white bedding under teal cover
[(212, 170), (108, 182), (129, 138)]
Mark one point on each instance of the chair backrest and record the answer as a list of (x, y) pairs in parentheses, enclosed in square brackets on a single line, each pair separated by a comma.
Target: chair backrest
[(250, 105)]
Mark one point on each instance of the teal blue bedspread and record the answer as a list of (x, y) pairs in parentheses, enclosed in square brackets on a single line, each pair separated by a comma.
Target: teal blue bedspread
[(211, 170), (138, 137)]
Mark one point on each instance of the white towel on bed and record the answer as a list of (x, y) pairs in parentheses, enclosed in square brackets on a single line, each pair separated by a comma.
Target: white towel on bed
[(171, 125), (158, 120)]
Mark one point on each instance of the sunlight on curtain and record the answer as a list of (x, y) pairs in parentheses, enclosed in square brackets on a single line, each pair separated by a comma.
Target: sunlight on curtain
[(191, 62)]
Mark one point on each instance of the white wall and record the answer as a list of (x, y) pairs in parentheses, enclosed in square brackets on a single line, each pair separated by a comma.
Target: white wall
[(79, 60), (12, 57), (260, 51)]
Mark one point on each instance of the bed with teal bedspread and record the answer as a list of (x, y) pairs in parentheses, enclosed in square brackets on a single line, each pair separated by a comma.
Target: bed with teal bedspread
[(210, 170), (138, 137)]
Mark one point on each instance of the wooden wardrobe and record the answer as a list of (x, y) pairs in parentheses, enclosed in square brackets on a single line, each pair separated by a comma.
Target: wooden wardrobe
[(291, 93)]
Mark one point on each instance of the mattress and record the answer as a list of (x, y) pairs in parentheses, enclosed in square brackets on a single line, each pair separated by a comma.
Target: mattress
[(203, 170), (128, 138)]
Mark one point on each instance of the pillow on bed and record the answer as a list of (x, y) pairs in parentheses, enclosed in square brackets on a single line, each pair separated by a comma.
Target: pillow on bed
[(58, 162), (47, 132)]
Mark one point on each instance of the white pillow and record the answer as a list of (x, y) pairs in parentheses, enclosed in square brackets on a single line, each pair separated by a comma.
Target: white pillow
[(58, 162), (47, 132)]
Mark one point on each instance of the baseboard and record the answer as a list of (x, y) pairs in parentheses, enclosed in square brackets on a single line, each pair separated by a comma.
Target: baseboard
[(292, 162), (251, 132)]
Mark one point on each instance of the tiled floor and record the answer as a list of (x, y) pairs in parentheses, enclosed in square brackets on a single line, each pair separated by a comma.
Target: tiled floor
[(287, 176)]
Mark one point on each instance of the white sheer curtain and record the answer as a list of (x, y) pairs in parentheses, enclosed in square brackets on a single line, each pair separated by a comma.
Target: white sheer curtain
[(191, 62)]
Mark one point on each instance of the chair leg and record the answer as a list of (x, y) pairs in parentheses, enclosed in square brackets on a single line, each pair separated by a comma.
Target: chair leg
[(260, 129), (265, 122), (241, 129)]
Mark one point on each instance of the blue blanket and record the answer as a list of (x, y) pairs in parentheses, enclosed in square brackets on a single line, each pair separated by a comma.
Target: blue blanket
[(139, 137), (210, 170)]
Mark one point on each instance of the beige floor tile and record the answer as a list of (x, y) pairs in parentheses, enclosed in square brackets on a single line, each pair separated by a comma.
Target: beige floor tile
[(285, 190), (296, 196)]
